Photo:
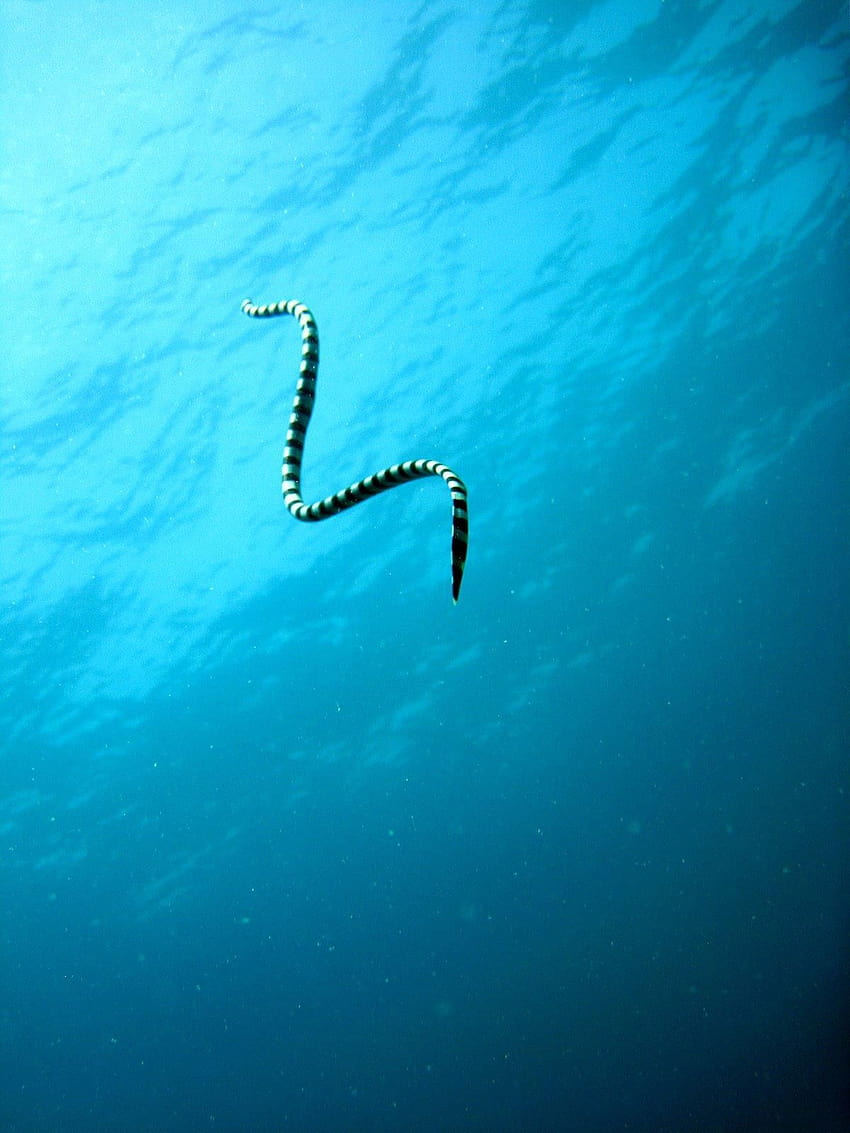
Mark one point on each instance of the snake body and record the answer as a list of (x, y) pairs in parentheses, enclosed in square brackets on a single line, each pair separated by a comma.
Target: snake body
[(293, 452)]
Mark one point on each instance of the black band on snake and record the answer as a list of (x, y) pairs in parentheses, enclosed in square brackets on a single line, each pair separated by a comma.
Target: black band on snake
[(293, 452)]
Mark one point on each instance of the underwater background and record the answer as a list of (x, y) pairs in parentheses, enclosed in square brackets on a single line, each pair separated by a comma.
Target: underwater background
[(289, 842)]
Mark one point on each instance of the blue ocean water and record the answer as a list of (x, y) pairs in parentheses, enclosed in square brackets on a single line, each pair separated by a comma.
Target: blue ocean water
[(289, 842)]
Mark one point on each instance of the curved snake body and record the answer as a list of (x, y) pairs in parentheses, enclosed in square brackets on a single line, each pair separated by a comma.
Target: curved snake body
[(302, 408)]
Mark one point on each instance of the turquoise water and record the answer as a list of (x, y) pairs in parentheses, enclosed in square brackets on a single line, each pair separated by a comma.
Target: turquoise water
[(288, 841)]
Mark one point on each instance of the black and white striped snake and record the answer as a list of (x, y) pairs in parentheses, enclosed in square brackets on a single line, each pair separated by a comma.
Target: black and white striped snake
[(302, 408)]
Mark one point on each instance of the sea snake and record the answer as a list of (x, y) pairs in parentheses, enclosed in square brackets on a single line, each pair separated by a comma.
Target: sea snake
[(302, 408)]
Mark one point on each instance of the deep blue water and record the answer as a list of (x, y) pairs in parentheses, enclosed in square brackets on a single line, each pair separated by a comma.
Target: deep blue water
[(289, 842)]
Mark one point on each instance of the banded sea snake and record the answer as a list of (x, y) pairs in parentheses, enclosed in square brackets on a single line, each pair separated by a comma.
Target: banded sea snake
[(302, 408)]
